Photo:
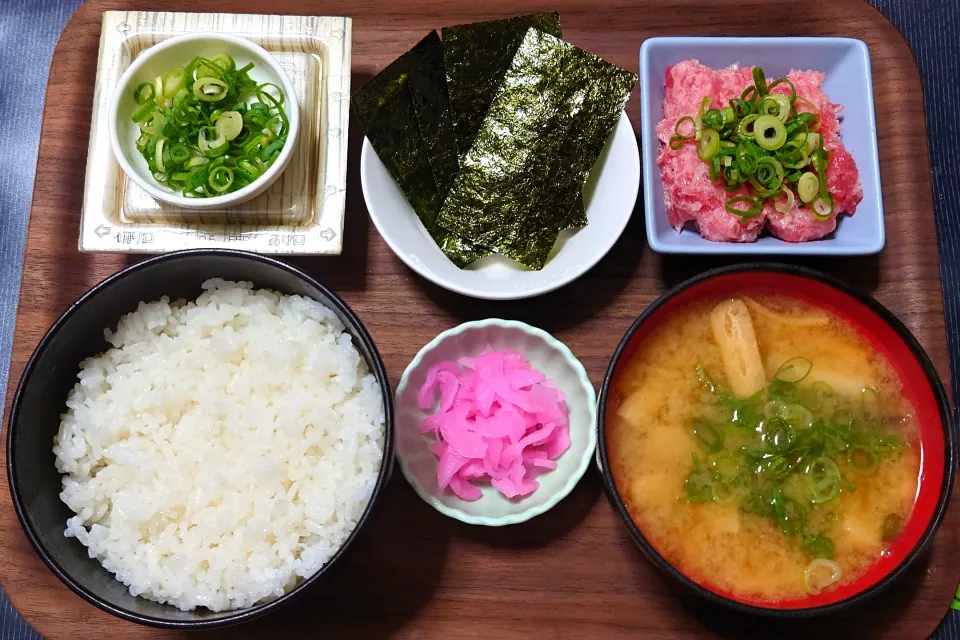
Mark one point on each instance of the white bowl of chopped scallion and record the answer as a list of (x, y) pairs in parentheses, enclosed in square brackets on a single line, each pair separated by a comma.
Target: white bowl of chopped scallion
[(204, 121)]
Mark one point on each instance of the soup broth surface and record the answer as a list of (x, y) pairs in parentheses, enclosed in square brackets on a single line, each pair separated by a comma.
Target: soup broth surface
[(704, 481)]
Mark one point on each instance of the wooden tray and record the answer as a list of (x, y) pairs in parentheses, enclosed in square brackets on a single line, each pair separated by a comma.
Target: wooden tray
[(572, 573), (301, 213)]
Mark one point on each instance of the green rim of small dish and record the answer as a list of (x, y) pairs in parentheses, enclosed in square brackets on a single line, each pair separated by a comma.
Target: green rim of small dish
[(573, 478)]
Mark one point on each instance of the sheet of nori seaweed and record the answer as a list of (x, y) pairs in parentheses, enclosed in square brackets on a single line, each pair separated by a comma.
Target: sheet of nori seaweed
[(385, 107), (475, 57), (544, 131), (461, 252), (428, 89)]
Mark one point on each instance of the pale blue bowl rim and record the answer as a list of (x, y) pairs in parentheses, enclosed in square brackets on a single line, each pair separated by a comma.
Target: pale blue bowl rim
[(781, 248), (575, 475)]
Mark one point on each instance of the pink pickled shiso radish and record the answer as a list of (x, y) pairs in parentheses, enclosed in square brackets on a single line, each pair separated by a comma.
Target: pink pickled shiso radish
[(499, 420)]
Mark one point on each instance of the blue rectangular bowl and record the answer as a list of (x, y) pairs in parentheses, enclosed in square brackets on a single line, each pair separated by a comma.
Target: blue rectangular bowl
[(846, 63)]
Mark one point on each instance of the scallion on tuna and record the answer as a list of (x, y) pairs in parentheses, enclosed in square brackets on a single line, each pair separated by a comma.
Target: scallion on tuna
[(766, 141)]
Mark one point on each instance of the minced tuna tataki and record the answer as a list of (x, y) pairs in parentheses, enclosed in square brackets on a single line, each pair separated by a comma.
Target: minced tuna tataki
[(690, 195)]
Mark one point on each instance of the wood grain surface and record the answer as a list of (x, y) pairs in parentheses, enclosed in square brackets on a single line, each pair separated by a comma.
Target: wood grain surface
[(572, 573)]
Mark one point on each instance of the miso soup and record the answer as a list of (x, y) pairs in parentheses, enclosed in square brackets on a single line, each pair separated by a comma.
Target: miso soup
[(763, 446)]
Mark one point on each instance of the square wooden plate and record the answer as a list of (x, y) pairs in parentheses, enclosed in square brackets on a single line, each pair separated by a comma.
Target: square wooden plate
[(287, 219)]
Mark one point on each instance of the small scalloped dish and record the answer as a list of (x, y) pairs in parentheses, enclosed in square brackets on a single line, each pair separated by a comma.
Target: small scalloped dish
[(419, 463)]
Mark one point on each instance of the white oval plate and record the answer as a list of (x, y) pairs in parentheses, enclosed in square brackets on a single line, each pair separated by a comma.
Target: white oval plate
[(611, 193)]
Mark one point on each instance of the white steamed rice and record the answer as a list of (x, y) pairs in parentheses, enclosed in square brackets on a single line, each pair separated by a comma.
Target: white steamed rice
[(223, 449)]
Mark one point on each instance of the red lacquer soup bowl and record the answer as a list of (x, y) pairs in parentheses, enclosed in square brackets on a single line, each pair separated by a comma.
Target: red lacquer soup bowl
[(921, 386)]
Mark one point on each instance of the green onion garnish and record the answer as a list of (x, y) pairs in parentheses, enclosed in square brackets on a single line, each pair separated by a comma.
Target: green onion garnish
[(769, 133), (891, 528), (767, 141), (707, 436), (822, 207), (709, 144), (789, 451), (760, 82), (143, 93), (208, 129), (808, 187), (751, 210)]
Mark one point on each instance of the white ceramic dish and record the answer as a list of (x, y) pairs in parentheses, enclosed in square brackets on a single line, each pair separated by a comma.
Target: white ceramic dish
[(610, 194), (846, 63), (158, 60), (554, 359)]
